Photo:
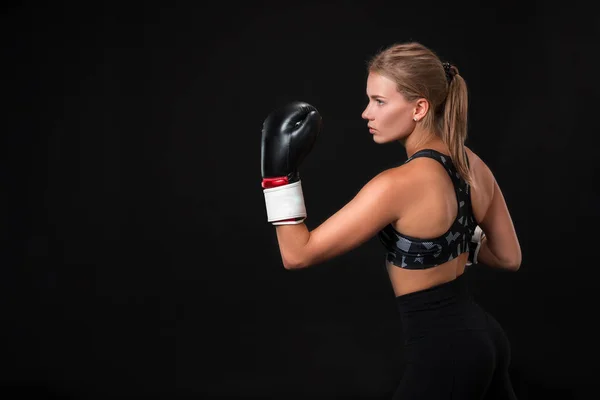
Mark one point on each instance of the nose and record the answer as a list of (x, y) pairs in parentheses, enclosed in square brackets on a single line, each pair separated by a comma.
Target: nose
[(365, 113)]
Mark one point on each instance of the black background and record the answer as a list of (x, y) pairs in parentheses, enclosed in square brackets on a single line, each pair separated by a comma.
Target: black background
[(137, 260)]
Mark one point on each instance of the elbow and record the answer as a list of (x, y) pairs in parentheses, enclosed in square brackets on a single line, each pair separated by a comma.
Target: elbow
[(514, 263), (291, 263), (290, 266)]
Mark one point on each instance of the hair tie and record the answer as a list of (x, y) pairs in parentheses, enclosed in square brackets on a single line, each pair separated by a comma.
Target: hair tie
[(450, 72)]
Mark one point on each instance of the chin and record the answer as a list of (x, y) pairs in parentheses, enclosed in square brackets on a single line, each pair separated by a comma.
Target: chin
[(382, 140)]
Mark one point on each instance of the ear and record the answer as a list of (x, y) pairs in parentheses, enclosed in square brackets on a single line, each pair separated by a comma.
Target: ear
[(421, 108)]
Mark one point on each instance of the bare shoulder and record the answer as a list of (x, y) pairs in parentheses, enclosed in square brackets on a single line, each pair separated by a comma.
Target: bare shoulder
[(474, 160), (482, 191), (417, 170), (390, 188), (393, 179), (423, 170), (416, 181), (482, 173)]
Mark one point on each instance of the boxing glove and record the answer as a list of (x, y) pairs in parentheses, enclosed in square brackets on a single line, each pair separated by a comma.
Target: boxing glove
[(288, 135), (475, 245)]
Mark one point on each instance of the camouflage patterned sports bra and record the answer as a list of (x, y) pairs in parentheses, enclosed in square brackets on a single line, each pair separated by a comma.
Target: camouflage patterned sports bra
[(413, 253)]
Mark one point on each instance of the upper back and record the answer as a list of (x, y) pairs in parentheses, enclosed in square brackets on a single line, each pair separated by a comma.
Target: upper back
[(437, 192), (437, 223)]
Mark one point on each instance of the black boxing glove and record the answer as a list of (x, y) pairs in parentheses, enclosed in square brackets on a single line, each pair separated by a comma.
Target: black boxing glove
[(288, 135)]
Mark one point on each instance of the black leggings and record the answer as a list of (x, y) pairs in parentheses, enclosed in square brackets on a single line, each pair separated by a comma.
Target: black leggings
[(453, 348)]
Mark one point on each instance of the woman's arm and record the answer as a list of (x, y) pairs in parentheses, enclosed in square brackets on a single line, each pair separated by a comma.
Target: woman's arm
[(500, 247), (376, 205)]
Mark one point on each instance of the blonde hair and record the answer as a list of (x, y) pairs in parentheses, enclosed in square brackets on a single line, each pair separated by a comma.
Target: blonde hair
[(419, 73)]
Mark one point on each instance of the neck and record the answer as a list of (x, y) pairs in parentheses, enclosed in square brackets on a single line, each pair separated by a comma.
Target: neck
[(420, 139)]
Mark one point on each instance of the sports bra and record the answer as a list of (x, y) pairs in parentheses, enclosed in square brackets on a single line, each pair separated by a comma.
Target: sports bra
[(414, 253)]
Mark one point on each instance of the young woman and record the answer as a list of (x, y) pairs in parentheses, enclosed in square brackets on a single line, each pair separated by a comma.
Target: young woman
[(437, 212)]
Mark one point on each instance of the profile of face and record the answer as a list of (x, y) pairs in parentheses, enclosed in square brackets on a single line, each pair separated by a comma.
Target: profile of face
[(390, 116)]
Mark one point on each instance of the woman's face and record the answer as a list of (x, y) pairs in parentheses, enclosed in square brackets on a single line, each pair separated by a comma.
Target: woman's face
[(389, 115)]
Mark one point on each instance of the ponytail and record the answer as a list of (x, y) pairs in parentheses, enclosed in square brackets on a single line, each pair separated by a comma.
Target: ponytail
[(454, 122)]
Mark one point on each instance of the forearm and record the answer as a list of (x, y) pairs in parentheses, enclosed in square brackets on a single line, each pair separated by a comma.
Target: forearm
[(292, 243), (487, 257)]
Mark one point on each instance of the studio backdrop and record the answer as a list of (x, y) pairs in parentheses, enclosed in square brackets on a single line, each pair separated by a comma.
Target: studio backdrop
[(138, 261)]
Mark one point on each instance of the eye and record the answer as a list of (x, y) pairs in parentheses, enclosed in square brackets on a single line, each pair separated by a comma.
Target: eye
[(380, 102)]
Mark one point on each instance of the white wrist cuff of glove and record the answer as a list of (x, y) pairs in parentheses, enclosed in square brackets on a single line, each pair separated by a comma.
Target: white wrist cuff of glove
[(285, 202), (477, 237)]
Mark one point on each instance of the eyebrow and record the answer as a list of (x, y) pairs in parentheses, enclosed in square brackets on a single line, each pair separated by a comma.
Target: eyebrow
[(375, 96)]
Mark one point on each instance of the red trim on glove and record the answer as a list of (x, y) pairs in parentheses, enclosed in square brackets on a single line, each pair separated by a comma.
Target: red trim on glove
[(274, 182)]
